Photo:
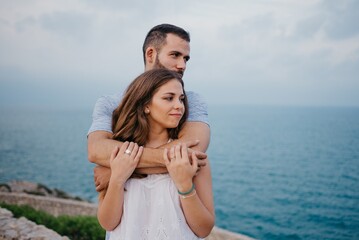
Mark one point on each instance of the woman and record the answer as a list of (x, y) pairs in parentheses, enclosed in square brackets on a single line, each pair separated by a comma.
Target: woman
[(177, 205)]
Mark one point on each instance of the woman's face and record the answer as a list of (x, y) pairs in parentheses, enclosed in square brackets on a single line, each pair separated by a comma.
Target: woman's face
[(166, 107)]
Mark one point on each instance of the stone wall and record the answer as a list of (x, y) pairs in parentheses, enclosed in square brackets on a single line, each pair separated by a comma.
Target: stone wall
[(57, 206), (54, 206)]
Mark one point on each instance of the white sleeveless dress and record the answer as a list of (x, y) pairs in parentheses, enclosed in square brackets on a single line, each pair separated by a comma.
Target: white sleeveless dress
[(152, 211)]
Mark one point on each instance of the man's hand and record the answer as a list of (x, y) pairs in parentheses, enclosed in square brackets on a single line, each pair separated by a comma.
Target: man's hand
[(201, 157), (101, 177)]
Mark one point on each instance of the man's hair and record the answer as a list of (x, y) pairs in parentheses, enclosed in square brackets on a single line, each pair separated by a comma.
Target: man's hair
[(129, 120), (156, 37)]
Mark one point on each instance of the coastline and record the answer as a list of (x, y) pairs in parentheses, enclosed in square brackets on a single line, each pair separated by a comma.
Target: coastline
[(60, 206)]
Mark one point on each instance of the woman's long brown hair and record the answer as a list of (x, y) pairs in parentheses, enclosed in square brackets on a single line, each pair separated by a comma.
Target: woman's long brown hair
[(129, 121)]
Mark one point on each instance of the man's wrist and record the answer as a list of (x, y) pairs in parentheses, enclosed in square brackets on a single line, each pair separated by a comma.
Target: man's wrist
[(151, 170), (151, 158)]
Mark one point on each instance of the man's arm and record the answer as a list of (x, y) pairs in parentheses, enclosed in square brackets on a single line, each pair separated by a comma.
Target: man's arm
[(101, 144), (197, 134), (196, 131)]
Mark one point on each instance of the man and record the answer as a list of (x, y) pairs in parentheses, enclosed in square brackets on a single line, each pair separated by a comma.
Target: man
[(166, 46)]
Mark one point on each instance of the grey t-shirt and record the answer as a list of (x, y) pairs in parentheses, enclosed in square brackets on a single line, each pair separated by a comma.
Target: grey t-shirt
[(102, 114)]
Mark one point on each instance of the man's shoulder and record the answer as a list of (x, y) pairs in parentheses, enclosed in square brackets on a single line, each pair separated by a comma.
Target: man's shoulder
[(110, 99), (194, 97), (197, 107), (192, 94)]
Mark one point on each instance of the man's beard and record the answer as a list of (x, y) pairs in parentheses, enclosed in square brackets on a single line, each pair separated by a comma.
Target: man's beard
[(159, 65)]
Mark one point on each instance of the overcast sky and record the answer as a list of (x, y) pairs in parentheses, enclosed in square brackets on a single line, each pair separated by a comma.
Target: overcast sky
[(280, 52)]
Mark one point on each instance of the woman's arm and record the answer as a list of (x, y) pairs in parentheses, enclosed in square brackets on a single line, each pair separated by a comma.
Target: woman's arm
[(199, 208), (110, 206), (111, 202), (197, 205)]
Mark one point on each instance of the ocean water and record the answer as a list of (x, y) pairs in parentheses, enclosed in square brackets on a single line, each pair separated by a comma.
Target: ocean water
[(278, 172)]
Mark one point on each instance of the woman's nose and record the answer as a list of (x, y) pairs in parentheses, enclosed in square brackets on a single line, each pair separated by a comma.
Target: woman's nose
[(179, 104)]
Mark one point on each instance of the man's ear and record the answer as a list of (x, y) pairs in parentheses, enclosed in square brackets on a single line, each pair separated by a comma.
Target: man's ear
[(150, 55)]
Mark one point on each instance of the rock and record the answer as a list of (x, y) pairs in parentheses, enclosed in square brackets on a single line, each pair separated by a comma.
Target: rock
[(35, 189), (4, 187), (12, 228)]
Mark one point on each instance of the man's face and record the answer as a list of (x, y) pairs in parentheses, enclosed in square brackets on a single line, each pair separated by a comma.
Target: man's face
[(173, 55)]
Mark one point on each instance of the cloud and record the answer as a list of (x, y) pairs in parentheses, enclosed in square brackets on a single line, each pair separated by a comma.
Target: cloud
[(25, 24), (70, 24), (342, 19), (242, 48)]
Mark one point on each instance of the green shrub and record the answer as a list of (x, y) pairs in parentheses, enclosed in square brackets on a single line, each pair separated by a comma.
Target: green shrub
[(74, 227)]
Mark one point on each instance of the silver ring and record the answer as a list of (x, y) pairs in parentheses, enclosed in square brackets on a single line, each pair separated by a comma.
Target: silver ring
[(128, 151)]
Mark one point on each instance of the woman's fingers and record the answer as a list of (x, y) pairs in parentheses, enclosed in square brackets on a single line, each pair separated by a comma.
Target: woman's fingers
[(114, 153), (178, 152), (184, 151), (124, 147), (134, 150), (130, 148), (165, 156), (172, 153), (138, 155)]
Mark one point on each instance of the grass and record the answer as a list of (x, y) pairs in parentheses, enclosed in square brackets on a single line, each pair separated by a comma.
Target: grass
[(74, 227)]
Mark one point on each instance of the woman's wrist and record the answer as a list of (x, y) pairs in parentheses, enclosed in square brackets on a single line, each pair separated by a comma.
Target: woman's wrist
[(185, 188), (118, 181)]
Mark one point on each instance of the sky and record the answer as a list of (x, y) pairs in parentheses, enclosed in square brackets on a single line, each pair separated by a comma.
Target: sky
[(251, 52)]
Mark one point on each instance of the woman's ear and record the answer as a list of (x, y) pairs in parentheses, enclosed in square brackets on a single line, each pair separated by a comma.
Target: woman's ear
[(147, 110)]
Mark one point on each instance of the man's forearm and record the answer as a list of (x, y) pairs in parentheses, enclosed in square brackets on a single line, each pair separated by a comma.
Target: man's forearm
[(196, 131), (100, 146), (151, 158), (99, 151)]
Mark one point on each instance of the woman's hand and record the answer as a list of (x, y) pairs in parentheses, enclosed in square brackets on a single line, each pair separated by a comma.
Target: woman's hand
[(124, 160), (179, 166)]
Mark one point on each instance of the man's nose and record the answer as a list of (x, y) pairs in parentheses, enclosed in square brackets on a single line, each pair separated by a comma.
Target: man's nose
[(181, 64)]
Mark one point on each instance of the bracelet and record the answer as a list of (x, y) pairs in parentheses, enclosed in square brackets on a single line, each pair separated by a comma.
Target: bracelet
[(188, 192), (187, 196)]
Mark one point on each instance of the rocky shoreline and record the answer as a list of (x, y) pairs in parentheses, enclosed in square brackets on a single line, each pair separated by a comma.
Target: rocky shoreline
[(21, 228), (49, 200)]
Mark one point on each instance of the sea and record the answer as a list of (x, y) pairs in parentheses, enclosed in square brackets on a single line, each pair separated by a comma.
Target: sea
[(278, 172)]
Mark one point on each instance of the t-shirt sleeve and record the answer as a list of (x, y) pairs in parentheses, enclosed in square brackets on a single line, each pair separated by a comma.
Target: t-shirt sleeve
[(197, 108), (102, 115)]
